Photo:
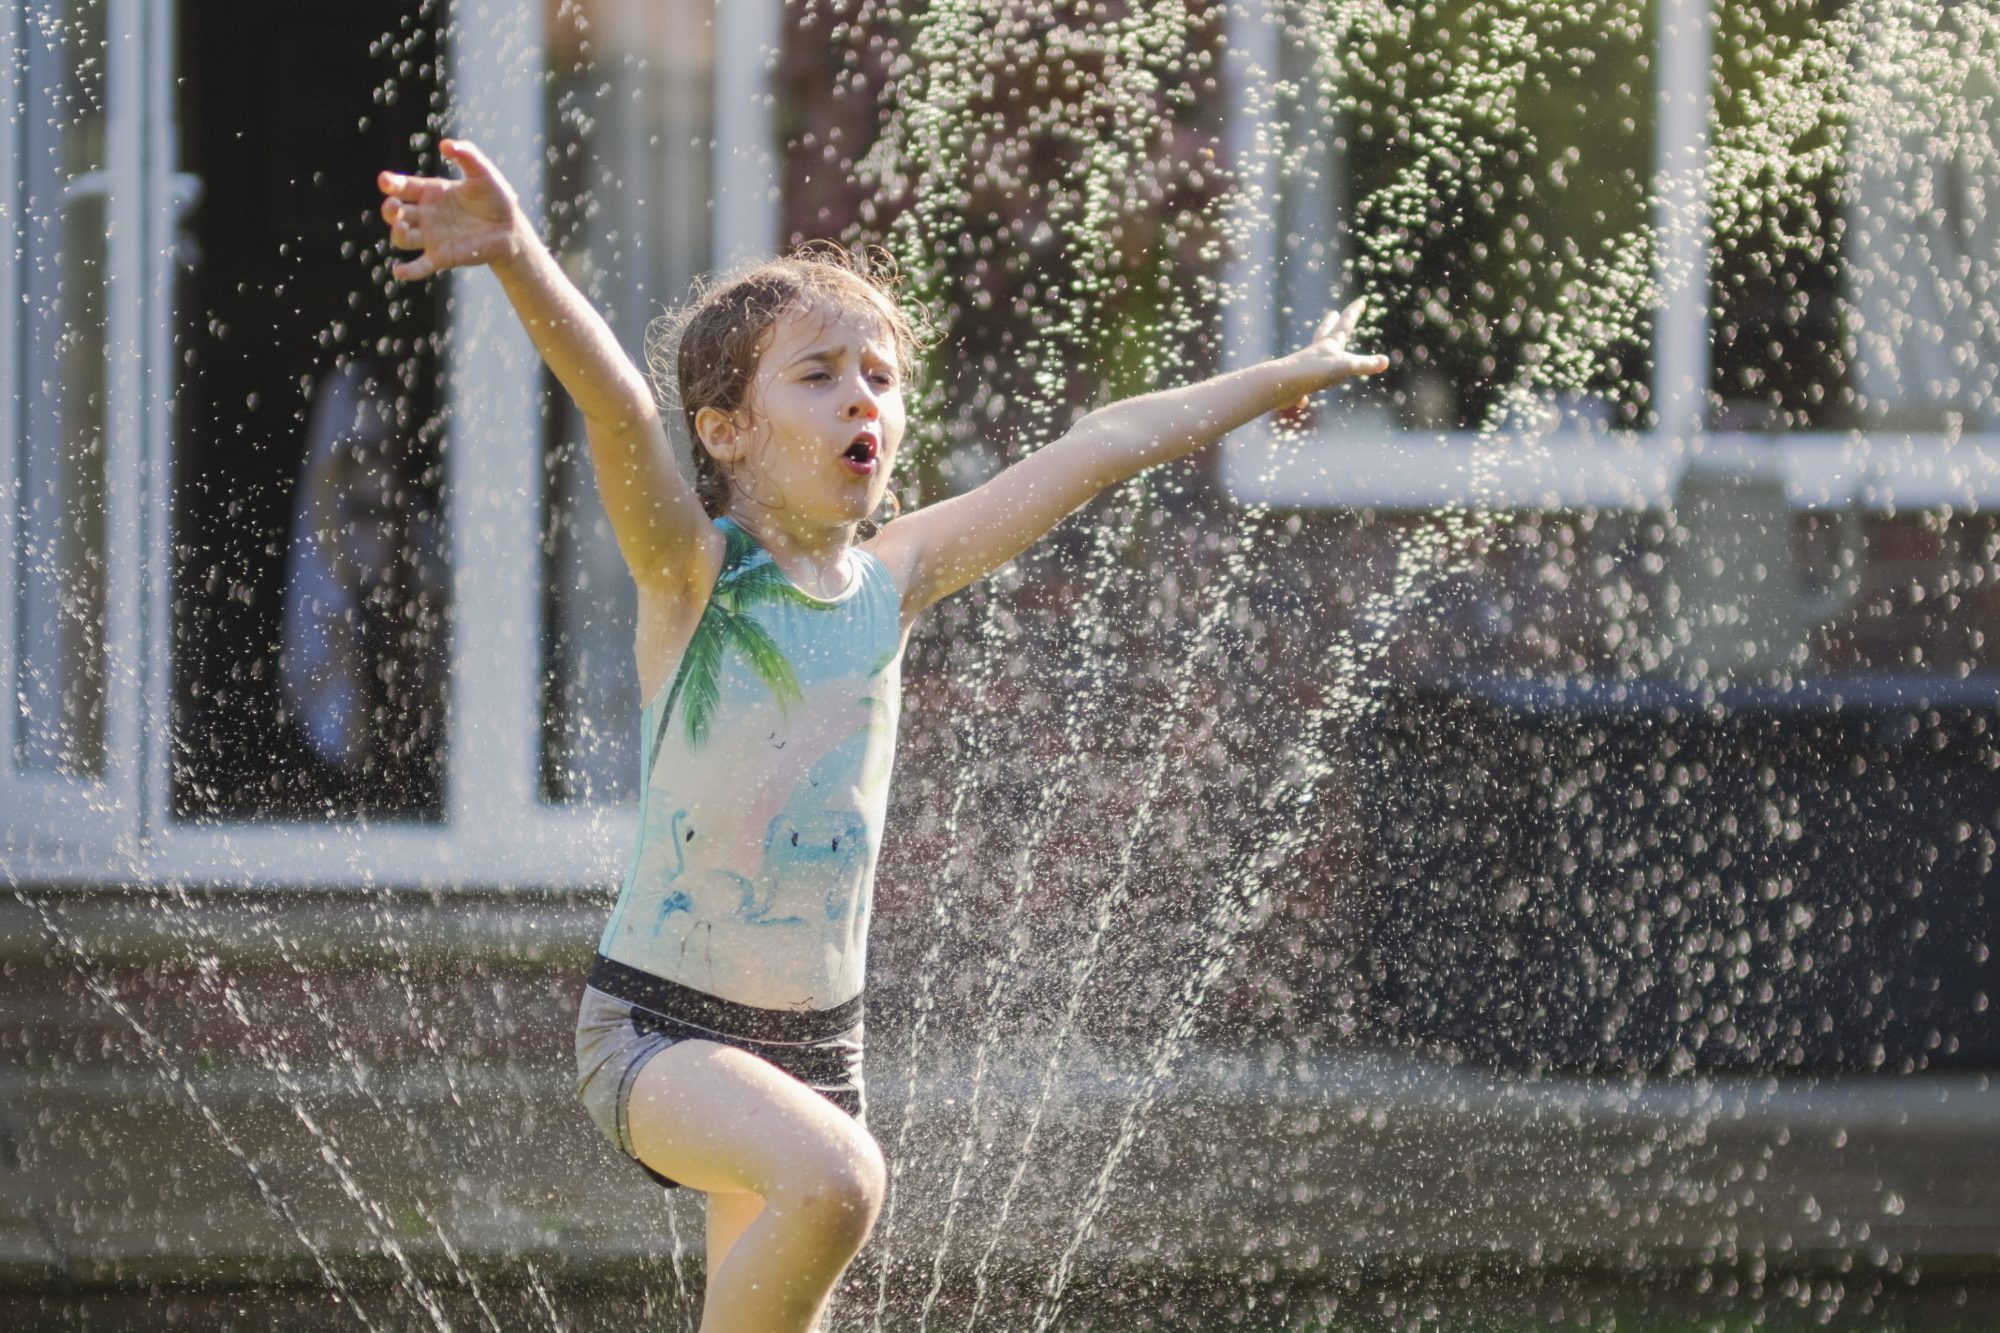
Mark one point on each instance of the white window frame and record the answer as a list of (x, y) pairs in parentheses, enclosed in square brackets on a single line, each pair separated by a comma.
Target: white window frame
[(497, 831), (1350, 460), (48, 818)]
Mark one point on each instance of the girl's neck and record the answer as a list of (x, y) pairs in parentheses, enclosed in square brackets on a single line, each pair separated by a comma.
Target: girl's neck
[(814, 559)]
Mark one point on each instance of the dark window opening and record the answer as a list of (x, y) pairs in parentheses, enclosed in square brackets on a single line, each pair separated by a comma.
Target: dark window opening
[(309, 588)]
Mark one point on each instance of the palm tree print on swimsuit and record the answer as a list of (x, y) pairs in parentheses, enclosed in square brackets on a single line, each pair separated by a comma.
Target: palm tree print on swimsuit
[(726, 623)]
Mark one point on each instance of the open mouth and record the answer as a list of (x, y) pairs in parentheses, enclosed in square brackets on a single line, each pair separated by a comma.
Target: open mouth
[(861, 454)]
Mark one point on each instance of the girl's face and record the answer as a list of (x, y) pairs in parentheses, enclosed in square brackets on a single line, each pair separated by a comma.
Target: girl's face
[(824, 418)]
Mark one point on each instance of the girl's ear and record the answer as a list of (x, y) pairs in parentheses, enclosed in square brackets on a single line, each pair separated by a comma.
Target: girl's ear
[(721, 434)]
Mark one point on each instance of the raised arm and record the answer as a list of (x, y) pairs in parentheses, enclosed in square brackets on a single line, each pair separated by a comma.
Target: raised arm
[(661, 529), (942, 547)]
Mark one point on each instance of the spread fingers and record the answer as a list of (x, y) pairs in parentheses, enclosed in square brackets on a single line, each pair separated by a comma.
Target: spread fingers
[(409, 270), (1340, 324), (403, 219), (1350, 318), (465, 155), (398, 186)]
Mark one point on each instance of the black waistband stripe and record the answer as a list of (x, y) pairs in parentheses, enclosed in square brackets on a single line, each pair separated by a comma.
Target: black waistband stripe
[(694, 1008)]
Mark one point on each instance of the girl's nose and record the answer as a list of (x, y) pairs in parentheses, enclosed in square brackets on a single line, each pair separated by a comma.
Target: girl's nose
[(863, 405)]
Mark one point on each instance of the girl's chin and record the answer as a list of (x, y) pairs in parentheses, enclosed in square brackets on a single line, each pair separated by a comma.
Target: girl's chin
[(863, 506), (846, 516)]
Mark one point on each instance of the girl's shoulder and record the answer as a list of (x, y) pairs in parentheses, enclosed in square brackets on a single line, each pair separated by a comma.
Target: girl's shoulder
[(739, 548), (893, 553)]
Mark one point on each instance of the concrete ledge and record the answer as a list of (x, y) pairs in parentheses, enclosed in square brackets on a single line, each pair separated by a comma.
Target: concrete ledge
[(111, 926), (266, 1174)]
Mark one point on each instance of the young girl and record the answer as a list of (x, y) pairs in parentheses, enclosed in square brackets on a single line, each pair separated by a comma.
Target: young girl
[(719, 1037)]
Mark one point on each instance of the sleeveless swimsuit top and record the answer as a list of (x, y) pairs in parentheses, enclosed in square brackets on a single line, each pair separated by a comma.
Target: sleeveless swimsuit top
[(764, 779)]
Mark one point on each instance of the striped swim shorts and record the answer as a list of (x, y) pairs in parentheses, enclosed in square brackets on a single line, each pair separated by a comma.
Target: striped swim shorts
[(627, 1017)]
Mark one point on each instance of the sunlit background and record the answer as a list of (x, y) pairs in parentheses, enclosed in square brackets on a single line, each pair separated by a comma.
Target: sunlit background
[(1509, 846)]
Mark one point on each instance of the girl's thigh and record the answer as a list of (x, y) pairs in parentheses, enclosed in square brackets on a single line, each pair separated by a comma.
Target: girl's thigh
[(722, 1120)]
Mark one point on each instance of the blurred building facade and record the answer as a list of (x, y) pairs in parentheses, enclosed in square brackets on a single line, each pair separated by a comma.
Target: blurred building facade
[(315, 640)]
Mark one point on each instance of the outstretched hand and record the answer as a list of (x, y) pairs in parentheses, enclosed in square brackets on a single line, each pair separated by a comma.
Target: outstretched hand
[(473, 219), (1328, 354)]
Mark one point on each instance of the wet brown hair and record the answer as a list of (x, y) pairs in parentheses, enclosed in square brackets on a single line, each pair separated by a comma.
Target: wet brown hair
[(705, 354)]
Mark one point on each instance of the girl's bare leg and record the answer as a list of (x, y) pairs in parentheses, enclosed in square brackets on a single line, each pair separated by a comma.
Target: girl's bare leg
[(723, 1121), (729, 1216)]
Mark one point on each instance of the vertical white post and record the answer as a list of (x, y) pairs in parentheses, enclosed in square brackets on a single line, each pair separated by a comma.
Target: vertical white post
[(493, 409), (127, 265), (74, 817), (1685, 95), (747, 35), (13, 20), (164, 203), (1250, 277)]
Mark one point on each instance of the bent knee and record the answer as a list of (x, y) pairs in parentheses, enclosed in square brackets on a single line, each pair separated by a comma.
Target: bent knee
[(840, 1194)]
